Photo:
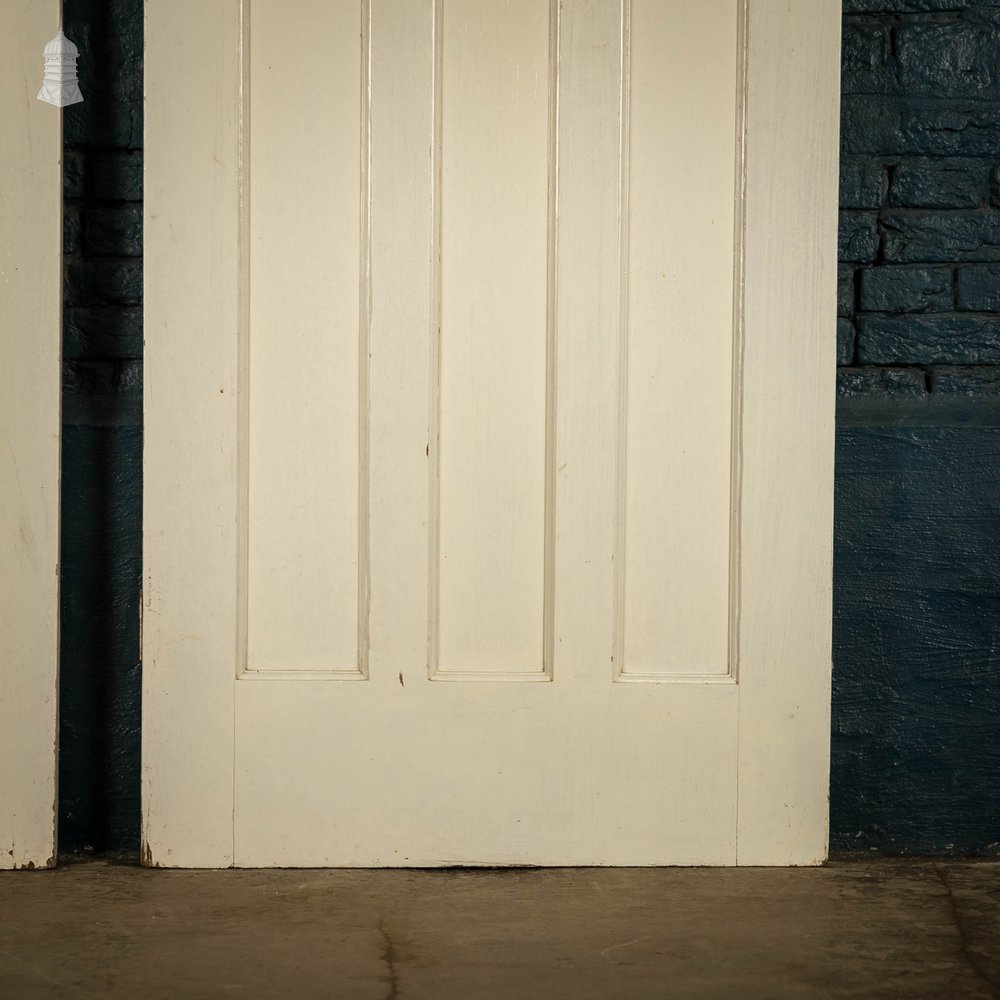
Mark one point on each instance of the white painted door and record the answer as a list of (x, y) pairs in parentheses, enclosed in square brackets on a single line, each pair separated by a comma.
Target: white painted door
[(30, 351), (489, 410)]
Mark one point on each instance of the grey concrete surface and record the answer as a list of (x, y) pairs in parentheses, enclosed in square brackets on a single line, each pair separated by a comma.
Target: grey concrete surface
[(852, 929)]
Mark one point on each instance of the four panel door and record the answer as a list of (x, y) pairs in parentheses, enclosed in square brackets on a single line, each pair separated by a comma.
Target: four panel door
[(488, 431)]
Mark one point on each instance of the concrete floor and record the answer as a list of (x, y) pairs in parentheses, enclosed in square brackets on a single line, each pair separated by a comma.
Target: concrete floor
[(864, 929)]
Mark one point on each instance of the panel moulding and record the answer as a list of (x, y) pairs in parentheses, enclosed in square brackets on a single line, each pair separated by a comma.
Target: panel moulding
[(245, 670), (435, 670), (619, 670)]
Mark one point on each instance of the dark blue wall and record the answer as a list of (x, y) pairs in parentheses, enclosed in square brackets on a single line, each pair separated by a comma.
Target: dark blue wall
[(916, 708), (916, 692), (102, 433)]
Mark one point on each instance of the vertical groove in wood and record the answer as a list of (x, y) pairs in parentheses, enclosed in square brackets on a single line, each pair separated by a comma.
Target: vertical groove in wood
[(243, 352), (242, 479), (364, 338), (434, 436), (434, 394), (739, 338), (619, 672), (618, 556), (361, 668), (552, 254)]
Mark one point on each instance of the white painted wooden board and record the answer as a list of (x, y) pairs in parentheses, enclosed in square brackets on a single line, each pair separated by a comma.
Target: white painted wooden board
[(494, 365), (496, 147), (305, 311), (30, 345)]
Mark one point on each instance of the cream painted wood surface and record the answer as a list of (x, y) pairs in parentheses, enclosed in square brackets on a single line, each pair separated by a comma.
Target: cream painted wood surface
[(30, 296), (488, 344)]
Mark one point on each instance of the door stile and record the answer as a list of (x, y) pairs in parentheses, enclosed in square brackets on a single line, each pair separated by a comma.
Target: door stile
[(191, 320), (787, 540), (31, 272)]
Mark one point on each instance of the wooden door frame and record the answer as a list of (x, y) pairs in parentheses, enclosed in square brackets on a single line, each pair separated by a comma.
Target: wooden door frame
[(30, 384)]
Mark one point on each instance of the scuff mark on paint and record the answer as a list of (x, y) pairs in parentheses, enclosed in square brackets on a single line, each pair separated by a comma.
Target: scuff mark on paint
[(146, 856)]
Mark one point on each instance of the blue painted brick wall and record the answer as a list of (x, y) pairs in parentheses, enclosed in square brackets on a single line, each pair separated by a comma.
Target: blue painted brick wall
[(99, 707), (916, 707)]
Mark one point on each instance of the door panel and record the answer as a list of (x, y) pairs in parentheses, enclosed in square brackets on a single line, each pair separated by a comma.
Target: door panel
[(471, 343), (305, 336), (30, 274), (678, 336), (495, 100)]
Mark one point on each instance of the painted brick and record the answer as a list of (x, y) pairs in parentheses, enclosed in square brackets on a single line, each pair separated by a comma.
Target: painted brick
[(100, 564), (933, 340), (857, 236), (845, 291), (845, 341), (71, 230), (862, 182), (109, 36), (910, 6), (73, 173), (104, 377), (982, 11), (103, 392), (103, 283), (113, 232), (92, 332), (906, 289), (973, 383), (115, 123), (867, 66), (116, 176), (939, 184), (882, 383), (107, 175), (919, 126), (915, 574), (949, 60), (978, 287), (913, 236), (916, 706)]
